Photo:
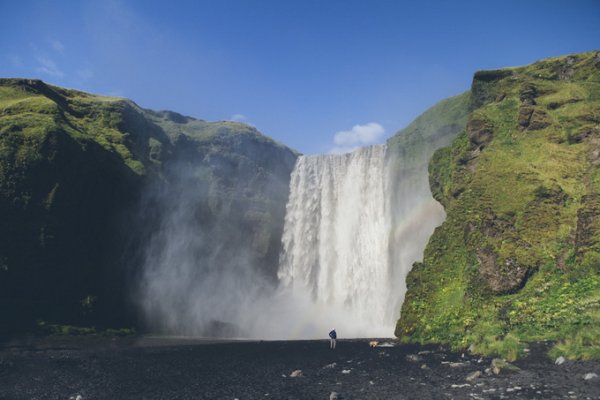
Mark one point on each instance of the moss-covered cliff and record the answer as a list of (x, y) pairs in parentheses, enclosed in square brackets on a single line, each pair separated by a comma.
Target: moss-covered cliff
[(518, 257), (74, 170)]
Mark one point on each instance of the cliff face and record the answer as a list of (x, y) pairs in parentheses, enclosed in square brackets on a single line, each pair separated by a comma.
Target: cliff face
[(518, 257), (80, 180)]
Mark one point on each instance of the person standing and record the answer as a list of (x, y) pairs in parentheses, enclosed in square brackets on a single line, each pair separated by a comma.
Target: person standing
[(332, 339)]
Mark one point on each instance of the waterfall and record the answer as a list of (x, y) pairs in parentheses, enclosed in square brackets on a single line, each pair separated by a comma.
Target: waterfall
[(354, 225), (336, 237)]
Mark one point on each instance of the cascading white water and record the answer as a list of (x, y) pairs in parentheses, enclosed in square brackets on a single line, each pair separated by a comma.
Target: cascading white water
[(336, 238)]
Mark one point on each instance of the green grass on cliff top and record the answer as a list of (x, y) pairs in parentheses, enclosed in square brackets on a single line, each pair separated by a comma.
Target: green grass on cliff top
[(29, 110), (29, 116)]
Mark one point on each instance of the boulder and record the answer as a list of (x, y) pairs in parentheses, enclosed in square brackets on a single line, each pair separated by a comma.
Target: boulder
[(296, 374), (500, 366), (559, 360), (472, 376), (590, 375)]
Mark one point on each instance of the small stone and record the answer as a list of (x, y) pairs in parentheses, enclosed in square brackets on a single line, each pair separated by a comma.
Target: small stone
[(297, 374), (559, 360), (460, 386), (414, 358), (456, 364), (334, 396), (590, 375), (501, 366), (371, 383), (332, 365), (424, 366), (346, 371), (472, 376), (79, 397)]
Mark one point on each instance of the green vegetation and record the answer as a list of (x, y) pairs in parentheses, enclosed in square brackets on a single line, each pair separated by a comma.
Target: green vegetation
[(71, 330), (518, 257)]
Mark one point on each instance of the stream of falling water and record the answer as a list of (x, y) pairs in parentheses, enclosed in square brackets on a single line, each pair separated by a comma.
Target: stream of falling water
[(336, 237)]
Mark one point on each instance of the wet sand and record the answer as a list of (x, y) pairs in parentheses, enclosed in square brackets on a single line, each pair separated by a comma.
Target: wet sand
[(183, 368)]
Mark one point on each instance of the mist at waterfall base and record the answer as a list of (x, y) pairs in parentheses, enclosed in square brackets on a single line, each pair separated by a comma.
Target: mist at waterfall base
[(354, 226)]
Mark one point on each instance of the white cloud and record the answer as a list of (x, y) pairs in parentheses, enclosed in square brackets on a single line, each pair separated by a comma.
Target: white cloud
[(48, 67), (238, 117), (358, 136), (57, 45)]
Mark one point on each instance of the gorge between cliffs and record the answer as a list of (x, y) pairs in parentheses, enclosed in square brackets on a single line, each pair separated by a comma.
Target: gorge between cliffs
[(336, 267)]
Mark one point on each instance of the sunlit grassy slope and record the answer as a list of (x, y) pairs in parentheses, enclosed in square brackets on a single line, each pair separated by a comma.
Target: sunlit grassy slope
[(518, 257)]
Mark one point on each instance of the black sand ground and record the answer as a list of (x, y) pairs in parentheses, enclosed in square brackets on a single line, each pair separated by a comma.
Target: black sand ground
[(101, 368)]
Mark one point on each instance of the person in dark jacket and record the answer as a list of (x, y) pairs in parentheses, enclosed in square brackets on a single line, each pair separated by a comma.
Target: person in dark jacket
[(332, 339)]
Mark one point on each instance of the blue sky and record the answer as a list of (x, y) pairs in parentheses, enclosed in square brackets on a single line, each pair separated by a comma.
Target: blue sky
[(300, 71)]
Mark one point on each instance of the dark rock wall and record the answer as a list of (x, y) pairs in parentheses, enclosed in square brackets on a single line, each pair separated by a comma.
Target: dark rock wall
[(75, 173)]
